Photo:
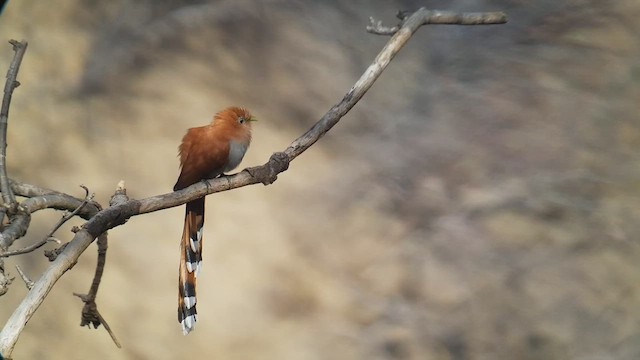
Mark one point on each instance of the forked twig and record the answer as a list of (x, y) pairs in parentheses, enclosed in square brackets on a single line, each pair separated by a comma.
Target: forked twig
[(49, 237), (90, 314)]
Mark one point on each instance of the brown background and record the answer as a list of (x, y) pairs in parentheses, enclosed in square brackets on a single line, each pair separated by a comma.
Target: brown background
[(480, 202)]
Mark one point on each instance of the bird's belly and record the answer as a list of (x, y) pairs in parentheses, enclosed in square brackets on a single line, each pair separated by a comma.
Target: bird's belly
[(236, 153)]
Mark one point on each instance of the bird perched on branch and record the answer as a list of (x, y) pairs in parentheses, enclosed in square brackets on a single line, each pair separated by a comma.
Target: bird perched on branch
[(206, 152)]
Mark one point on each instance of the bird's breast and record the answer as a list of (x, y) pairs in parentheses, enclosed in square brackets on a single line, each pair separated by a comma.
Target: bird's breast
[(236, 153)]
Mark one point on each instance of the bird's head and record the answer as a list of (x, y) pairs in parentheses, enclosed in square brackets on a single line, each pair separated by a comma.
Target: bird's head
[(234, 117)]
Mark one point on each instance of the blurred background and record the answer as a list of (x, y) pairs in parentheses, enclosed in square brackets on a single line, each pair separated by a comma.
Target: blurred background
[(480, 202)]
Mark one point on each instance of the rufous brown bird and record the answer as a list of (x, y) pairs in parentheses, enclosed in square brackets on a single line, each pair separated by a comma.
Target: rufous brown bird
[(206, 152)]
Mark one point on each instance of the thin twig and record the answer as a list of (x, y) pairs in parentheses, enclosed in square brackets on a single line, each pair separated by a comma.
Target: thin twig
[(102, 258), (118, 214), (10, 85), (25, 278), (108, 328), (435, 17), (90, 314), (65, 217)]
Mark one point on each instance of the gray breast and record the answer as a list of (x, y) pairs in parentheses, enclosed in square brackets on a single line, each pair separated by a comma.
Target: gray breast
[(236, 153)]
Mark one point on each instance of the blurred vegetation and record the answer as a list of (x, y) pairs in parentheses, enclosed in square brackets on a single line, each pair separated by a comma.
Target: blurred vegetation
[(480, 202)]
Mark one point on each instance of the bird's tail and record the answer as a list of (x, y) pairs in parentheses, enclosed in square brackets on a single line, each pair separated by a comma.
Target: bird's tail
[(190, 263)]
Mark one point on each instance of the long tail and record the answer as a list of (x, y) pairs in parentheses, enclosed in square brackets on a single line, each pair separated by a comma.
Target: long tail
[(190, 263)]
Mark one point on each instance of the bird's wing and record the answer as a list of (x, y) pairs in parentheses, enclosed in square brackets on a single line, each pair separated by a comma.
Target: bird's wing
[(203, 155)]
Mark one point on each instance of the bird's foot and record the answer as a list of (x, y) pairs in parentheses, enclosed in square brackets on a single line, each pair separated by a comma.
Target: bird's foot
[(206, 183)]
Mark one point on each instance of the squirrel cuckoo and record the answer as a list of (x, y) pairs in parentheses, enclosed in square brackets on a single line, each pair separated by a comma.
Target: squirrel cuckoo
[(205, 153)]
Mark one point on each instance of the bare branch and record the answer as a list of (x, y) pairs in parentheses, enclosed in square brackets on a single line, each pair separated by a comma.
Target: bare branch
[(90, 313), (65, 217), (435, 17), (10, 85), (29, 190), (40, 199), (43, 199), (65, 261), (25, 278), (102, 258), (376, 27), (62, 263), (16, 228)]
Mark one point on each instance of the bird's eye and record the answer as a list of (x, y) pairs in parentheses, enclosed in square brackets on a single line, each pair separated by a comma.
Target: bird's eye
[(241, 119)]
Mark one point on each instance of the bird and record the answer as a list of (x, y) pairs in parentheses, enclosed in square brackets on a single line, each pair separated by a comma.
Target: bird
[(206, 152)]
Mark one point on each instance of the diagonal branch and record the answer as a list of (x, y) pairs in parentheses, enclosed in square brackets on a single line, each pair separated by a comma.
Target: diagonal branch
[(118, 214), (19, 48)]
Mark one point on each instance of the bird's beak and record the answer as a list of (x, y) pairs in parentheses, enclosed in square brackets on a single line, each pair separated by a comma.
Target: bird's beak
[(253, 119)]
